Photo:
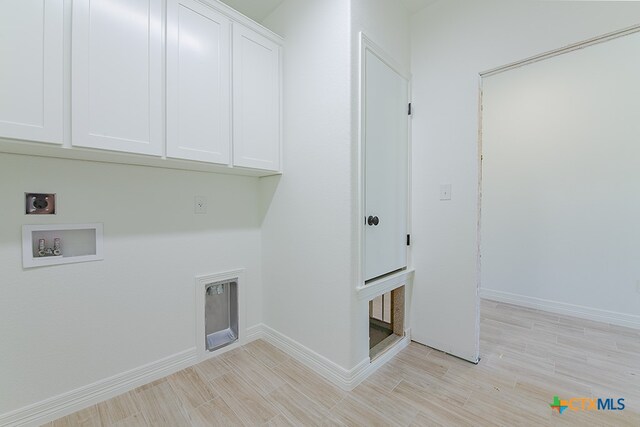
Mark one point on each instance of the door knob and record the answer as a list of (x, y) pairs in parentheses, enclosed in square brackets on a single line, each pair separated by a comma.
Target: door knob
[(373, 220)]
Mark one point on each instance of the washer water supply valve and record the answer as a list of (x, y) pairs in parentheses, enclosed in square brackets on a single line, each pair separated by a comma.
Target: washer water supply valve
[(43, 251), (215, 289)]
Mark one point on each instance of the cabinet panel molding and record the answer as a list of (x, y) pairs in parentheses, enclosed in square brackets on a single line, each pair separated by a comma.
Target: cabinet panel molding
[(117, 75), (256, 100), (198, 83), (31, 74)]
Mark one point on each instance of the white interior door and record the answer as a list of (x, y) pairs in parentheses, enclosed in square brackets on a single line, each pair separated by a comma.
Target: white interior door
[(385, 142)]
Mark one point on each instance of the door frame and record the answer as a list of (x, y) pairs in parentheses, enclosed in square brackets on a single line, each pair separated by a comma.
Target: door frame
[(366, 44)]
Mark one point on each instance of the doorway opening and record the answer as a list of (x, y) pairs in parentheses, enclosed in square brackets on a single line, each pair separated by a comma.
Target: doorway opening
[(386, 321), (557, 168)]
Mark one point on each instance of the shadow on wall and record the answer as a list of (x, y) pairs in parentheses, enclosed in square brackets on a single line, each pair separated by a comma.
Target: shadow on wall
[(268, 187)]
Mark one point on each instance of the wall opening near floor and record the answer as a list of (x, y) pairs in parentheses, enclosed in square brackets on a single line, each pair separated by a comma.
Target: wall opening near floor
[(386, 321), (220, 312)]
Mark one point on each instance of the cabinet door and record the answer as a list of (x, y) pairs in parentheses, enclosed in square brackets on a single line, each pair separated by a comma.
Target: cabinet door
[(117, 75), (31, 70), (256, 100), (198, 83)]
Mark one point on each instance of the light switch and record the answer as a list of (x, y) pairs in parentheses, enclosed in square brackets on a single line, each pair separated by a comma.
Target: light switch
[(445, 192)]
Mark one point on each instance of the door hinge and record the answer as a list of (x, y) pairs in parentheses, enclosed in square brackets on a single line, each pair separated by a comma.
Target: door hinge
[(408, 239), (409, 110)]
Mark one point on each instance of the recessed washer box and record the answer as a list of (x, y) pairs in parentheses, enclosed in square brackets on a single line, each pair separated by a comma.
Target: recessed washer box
[(77, 243)]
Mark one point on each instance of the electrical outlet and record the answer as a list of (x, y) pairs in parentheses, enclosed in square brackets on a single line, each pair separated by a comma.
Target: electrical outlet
[(200, 205)]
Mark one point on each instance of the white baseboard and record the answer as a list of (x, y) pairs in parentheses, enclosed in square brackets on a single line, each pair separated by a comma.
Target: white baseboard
[(589, 313), (346, 379), (67, 403), (369, 367), (254, 333), (343, 378), (318, 363)]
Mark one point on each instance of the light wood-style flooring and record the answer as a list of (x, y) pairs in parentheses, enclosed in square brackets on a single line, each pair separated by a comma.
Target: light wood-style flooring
[(528, 356)]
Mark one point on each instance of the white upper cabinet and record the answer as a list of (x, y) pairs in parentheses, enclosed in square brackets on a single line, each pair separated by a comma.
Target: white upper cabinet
[(117, 75), (31, 70), (198, 83), (256, 100), (170, 79)]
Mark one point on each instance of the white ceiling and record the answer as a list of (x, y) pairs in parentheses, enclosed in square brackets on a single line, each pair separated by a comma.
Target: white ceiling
[(259, 9)]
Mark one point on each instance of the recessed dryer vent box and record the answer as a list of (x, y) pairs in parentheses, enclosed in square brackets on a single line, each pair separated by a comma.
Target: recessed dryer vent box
[(40, 204), (221, 314)]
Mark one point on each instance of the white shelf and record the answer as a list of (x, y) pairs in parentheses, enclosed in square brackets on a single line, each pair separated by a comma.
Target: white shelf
[(385, 284), (79, 242)]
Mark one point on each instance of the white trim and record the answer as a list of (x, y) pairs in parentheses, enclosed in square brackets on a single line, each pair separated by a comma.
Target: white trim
[(583, 312), (242, 19), (255, 332), (570, 48), (479, 224), (360, 153), (318, 363), (346, 379), (72, 401), (385, 284), (366, 44), (367, 367)]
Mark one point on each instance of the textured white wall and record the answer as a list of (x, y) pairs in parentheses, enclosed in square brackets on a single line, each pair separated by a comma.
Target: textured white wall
[(310, 233), (452, 41), (307, 231), (63, 327), (560, 185)]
